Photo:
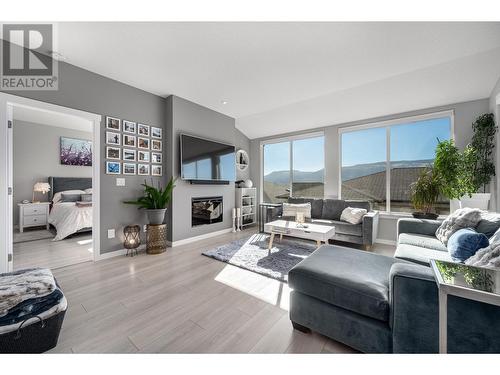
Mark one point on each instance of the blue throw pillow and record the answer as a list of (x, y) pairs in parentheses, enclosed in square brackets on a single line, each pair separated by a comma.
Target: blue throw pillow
[(464, 243)]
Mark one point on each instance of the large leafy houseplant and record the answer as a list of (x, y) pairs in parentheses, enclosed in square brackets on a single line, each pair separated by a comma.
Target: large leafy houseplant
[(155, 201), (425, 193), (483, 142)]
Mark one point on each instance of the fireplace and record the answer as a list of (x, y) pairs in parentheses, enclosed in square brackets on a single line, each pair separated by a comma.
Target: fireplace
[(206, 210)]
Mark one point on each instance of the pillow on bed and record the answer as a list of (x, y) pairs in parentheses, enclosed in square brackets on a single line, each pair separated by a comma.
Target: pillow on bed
[(88, 191), (58, 196), (86, 197), (70, 197)]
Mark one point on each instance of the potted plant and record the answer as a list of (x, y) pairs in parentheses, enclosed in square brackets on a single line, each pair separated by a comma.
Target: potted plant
[(478, 161), (155, 201), (463, 174), (425, 193)]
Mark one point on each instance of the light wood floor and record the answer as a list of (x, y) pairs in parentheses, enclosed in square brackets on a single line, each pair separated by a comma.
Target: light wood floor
[(180, 302), (48, 254)]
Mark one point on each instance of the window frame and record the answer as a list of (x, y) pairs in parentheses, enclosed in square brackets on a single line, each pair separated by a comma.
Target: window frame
[(387, 125), (289, 139)]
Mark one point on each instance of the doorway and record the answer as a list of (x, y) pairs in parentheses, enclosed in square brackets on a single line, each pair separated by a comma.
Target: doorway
[(51, 167)]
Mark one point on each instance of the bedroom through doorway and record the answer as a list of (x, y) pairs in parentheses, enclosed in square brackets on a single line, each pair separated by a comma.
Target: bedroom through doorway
[(53, 188)]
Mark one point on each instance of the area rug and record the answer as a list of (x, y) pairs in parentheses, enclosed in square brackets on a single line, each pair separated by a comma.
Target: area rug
[(251, 253), (32, 235)]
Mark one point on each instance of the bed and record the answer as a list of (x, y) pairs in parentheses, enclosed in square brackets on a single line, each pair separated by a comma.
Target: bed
[(69, 217)]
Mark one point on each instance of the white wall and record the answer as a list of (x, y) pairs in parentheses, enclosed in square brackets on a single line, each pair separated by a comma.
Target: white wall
[(36, 157), (465, 113)]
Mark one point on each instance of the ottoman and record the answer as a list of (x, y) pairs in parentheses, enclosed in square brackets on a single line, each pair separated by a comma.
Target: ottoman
[(343, 293)]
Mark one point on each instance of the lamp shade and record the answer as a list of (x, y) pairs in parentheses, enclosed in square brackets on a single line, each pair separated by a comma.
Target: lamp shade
[(42, 187)]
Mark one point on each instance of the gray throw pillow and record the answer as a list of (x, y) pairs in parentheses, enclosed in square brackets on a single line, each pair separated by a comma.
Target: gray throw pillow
[(461, 218), (86, 197), (490, 222), (70, 197)]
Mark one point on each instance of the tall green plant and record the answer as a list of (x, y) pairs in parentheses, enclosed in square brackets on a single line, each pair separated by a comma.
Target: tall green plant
[(155, 198), (483, 142), (448, 164), (426, 190)]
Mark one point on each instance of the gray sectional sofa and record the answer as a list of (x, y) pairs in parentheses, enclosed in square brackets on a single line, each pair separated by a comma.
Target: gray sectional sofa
[(380, 304), (328, 211)]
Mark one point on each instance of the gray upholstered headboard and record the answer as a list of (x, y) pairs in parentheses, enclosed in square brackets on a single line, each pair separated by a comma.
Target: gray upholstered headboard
[(58, 184)]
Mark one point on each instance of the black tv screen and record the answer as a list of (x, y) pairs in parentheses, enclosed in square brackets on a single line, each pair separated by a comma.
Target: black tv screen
[(205, 160)]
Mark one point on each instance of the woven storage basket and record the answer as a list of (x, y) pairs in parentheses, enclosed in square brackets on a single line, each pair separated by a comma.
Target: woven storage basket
[(34, 338)]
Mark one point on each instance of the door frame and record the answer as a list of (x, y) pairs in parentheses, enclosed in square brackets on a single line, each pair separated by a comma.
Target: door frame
[(7, 103)]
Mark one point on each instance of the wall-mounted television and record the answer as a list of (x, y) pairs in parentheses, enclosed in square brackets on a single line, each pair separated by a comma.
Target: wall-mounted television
[(206, 161)]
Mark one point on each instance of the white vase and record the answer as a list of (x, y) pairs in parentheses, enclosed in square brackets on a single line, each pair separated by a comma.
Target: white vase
[(477, 200)]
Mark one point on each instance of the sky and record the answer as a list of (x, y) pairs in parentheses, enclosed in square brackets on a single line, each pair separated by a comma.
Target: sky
[(410, 141)]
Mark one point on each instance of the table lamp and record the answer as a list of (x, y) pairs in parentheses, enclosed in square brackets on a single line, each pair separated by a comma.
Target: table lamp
[(41, 187)]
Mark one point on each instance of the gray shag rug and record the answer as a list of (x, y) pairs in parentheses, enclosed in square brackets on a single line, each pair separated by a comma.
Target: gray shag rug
[(251, 253)]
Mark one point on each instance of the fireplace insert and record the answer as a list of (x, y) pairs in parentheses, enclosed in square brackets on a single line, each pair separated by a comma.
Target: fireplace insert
[(206, 210)]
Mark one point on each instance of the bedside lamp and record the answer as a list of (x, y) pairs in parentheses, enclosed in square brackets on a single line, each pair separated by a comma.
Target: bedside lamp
[(41, 187)]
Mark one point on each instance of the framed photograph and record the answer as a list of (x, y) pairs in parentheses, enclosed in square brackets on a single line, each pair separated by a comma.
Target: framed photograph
[(144, 156), (113, 153), (129, 155), (156, 157), (143, 169), (113, 138), (143, 130), (74, 151), (113, 167), (129, 168), (156, 145), (129, 127), (113, 123), (143, 143), (129, 140), (156, 132), (156, 170)]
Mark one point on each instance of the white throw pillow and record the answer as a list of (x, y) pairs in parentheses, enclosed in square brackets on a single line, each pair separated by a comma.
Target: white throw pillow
[(58, 196), (353, 215), (88, 191), (291, 209)]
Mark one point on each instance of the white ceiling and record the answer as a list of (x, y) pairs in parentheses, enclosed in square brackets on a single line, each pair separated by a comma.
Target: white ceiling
[(49, 118), (291, 72)]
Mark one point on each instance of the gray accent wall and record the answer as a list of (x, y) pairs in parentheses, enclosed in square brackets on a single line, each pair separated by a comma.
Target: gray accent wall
[(87, 91), (36, 157), (187, 117), (465, 114)]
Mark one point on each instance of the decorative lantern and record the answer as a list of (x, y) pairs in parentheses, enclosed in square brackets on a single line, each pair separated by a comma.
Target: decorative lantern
[(132, 238)]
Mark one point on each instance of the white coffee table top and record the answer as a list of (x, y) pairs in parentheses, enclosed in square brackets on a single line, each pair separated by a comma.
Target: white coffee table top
[(278, 225)]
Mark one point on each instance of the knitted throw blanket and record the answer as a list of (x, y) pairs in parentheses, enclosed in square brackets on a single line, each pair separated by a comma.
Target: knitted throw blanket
[(488, 257), (20, 286), (461, 218)]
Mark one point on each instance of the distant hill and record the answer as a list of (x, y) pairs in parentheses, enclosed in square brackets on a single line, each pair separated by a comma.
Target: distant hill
[(348, 173)]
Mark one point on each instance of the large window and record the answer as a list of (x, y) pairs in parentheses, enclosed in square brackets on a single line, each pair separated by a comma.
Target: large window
[(293, 167), (383, 175)]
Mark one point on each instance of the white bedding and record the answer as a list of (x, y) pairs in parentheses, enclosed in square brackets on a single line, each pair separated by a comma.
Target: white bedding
[(69, 219)]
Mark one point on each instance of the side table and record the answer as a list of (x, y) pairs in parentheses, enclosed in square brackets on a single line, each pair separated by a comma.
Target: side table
[(264, 212), (156, 239), (469, 282)]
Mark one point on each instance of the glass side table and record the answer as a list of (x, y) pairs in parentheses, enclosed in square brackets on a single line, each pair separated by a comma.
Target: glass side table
[(267, 213), (474, 283)]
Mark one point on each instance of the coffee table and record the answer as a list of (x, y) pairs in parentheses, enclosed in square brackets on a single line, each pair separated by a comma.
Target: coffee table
[(308, 231)]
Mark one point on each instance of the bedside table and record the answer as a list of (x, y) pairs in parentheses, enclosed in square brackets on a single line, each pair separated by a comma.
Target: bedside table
[(33, 215)]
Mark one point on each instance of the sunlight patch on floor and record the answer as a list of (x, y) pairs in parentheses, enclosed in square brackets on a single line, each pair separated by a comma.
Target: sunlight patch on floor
[(259, 286), (84, 242)]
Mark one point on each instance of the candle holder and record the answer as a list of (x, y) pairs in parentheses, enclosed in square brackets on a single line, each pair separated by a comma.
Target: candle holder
[(132, 239)]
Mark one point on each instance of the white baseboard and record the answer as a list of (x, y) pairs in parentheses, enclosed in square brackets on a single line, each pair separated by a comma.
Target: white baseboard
[(117, 253), (201, 237), (385, 242)]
